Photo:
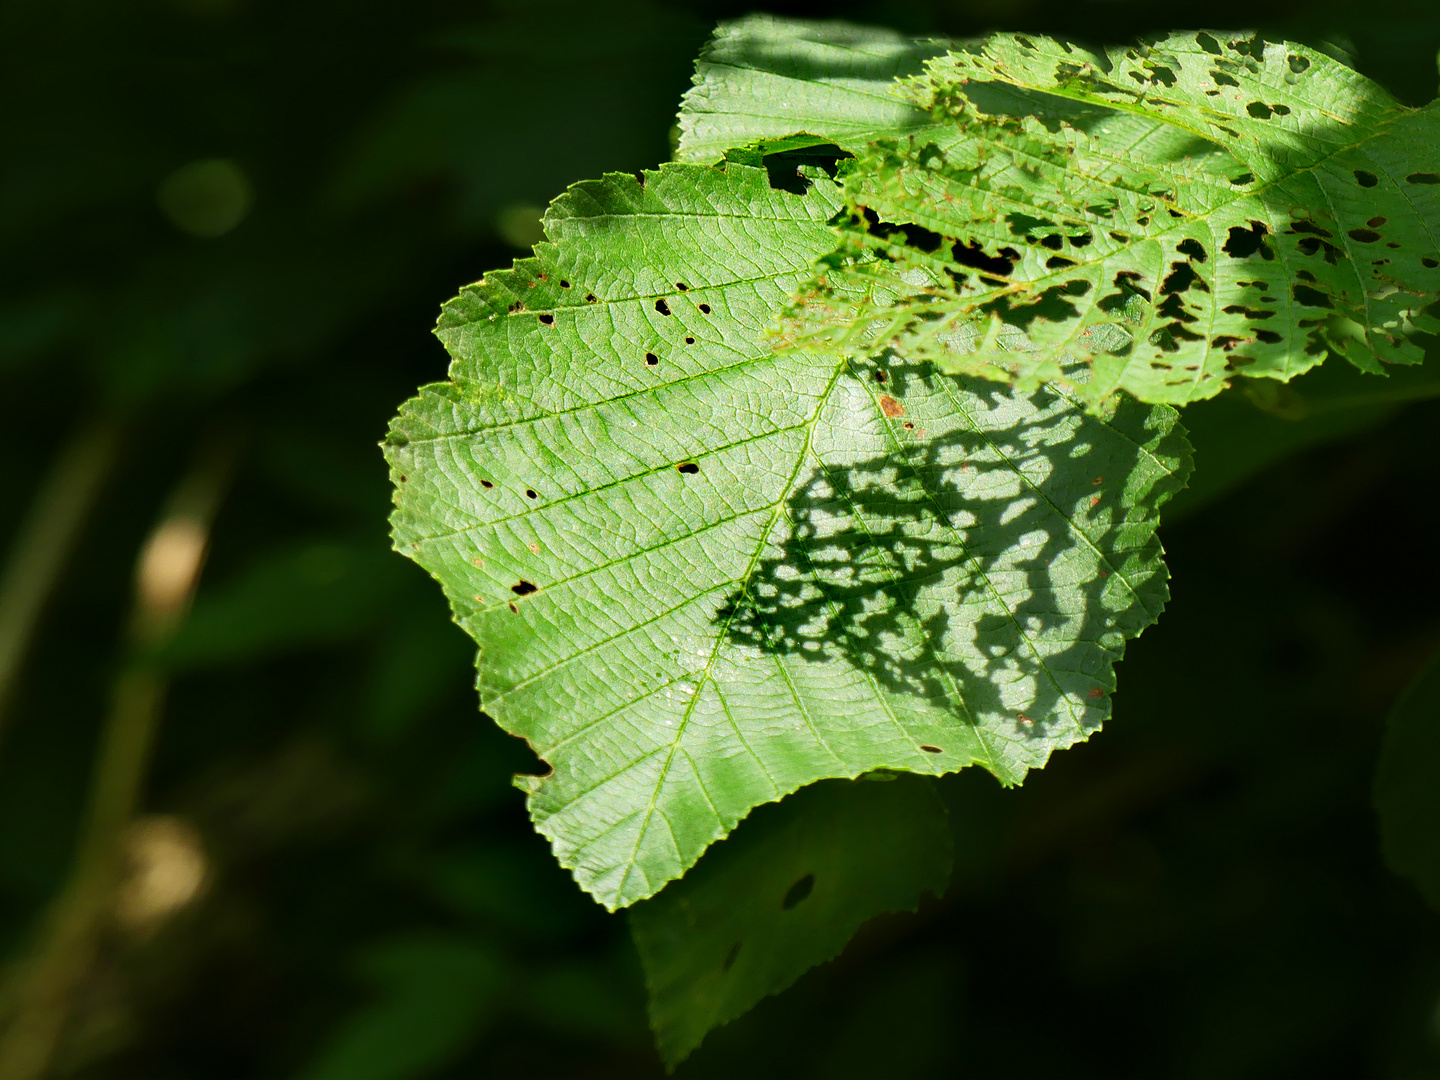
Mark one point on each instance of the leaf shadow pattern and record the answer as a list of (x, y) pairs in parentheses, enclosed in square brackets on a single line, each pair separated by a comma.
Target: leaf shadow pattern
[(987, 563)]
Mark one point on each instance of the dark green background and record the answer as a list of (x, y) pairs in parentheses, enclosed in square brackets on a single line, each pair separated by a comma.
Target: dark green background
[(1197, 892)]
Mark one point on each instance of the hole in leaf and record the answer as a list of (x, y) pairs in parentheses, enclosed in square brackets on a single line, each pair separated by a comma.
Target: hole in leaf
[(1054, 241), (486, 484), (682, 286), (688, 467), (880, 376), (1366, 179), (1079, 240), (1364, 236), (931, 749), (530, 493), (1182, 278), (689, 341), (548, 320), (1243, 179), (1269, 337), (651, 359), (1056, 262), (1423, 178), (1194, 249), (1299, 64), (662, 307), (591, 298), (730, 957), (1246, 242), (524, 588), (1208, 43), (974, 256), (564, 284), (1310, 227), (704, 309), (1427, 261), (1309, 297), (798, 892), (1375, 222)]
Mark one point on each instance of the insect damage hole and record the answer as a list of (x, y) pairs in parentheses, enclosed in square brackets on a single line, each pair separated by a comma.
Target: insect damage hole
[(798, 892), (651, 359), (548, 319), (524, 588), (704, 309), (1366, 179), (1423, 178), (531, 493), (662, 307), (730, 958), (688, 467)]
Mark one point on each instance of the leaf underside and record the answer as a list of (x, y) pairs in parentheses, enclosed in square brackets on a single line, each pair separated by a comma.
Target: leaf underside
[(704, 574), (1167, 217), (783, 894)]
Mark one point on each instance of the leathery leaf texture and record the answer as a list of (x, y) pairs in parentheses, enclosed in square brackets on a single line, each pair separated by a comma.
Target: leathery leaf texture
[(703, 573), (1159, 219)]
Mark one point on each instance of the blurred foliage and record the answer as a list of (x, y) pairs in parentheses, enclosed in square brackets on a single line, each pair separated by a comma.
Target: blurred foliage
[(1199, 891)]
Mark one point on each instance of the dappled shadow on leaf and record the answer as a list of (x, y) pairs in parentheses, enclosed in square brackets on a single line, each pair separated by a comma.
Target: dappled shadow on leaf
[(989, 565)]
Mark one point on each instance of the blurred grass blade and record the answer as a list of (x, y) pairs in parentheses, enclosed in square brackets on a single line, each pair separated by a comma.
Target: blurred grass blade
[(166, 574), (46, 539)]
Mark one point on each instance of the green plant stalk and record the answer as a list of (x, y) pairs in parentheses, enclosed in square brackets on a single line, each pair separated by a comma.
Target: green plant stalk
[(46, 539), (166, 576)]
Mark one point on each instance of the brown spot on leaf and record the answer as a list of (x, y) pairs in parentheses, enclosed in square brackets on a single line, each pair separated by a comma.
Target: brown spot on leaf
[(890, 407), (1096, 692), (534, 547), (931, 749), (477, 561)]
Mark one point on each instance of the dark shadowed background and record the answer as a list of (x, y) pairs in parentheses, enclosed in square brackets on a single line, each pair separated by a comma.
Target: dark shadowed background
[(232, 222)]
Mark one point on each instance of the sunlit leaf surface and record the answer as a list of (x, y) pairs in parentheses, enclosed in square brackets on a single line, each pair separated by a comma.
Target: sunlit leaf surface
[(704, 574), (764, 78)]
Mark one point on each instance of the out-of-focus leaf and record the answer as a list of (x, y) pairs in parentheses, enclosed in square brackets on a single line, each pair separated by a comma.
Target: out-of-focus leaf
[(1407, 784), (309, 595), (436, 997), (784, 893)]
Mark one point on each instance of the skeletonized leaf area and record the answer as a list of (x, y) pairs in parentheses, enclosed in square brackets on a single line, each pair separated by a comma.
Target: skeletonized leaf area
[(1173, 214), (703, 574)]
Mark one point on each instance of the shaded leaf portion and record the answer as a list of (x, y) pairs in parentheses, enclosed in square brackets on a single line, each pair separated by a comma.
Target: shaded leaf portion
[(765, 78), (1234, 206), (1407, 784), (704, 574), (785, 893)]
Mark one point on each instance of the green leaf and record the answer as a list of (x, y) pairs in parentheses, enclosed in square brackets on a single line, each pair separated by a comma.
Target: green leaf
[(1211, 205), (704, 574), (765, 78), (437, 995), (784, 893), (1407, 784)]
